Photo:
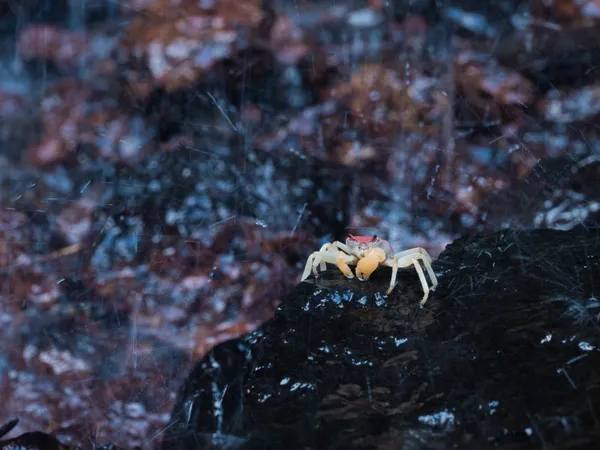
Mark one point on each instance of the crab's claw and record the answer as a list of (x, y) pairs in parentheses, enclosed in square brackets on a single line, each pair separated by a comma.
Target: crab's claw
[(367, 265)]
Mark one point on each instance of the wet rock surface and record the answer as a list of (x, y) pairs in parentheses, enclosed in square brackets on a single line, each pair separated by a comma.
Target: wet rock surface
[(504, 354)]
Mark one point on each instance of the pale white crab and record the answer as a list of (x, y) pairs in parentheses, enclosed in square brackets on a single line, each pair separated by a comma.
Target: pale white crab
[(367, 253)]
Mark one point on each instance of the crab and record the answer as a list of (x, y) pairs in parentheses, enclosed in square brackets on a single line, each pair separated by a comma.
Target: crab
[(367, 253)]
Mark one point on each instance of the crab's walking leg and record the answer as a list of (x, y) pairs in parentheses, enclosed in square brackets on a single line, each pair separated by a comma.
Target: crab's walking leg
[(397, 263), (329, 253), (394, 265), (427, 263), (412, 257), (420, 253), (342, 247), (320, 258), (419, 270), (310, 261)]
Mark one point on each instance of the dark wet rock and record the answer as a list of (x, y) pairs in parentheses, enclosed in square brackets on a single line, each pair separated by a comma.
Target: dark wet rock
[(505, 354)]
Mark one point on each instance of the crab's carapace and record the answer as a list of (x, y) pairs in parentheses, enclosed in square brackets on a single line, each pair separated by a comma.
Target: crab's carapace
[(363, 239)]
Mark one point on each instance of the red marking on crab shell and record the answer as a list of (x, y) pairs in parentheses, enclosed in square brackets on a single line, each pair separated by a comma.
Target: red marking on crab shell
[(363, 239)]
